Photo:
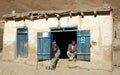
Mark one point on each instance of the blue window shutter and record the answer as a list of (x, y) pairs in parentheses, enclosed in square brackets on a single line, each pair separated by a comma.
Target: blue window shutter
[(83, 41), (22, 42), (43, 52)]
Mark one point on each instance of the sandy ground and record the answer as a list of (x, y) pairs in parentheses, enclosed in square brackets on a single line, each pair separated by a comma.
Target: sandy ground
[(20, 69), (9, 68)]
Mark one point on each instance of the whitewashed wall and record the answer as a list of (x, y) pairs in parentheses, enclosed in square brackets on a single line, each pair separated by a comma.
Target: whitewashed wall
[(101, 38)]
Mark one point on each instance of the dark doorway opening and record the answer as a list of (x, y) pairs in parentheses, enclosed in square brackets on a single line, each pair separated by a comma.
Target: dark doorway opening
[(63, 39)]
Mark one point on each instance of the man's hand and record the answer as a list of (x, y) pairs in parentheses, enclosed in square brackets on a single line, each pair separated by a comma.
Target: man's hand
[(73, 51)]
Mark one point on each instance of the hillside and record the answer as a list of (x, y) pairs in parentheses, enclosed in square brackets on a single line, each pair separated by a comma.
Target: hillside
[(6, 6)]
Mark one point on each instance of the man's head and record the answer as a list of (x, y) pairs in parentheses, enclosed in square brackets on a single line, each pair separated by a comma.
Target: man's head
[(73, 42), (54, 44)]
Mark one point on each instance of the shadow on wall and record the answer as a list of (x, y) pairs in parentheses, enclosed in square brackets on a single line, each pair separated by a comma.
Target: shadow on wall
[(1, 39), (1, 34)]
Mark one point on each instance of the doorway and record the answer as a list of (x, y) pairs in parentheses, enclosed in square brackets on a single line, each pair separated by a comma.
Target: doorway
[(63, 39)]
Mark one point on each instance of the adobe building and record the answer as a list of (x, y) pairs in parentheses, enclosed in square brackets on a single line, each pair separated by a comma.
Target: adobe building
[(28, 37)]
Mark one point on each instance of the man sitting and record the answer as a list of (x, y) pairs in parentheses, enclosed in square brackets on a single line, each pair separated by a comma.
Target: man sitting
[(55, 55), (72, 50)]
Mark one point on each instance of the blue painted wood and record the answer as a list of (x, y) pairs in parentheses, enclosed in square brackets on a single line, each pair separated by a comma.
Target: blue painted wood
[(72, 28), (83, 41), (22, 43), (43, 52)]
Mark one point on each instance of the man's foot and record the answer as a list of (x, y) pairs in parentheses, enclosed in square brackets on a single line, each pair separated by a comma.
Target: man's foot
[(53, 68), (75, 59), (48, 67), (70, 59)]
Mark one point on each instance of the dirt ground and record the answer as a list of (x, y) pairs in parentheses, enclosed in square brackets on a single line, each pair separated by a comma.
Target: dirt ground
[(10, 68)]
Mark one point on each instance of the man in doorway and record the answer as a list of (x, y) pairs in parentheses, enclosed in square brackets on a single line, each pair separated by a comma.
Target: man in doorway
[(72, 50), (55, 51)]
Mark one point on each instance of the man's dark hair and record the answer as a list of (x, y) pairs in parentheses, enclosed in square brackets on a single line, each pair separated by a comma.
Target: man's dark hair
[(72, 41)]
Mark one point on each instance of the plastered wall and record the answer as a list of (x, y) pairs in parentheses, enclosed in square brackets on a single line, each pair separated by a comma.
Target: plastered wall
[(101, 37)]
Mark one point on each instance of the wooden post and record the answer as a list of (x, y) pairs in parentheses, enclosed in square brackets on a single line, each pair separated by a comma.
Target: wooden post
[(24, 24), (82, 14), (46, 16), (70, 14), (95, 13), (58, 17)]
